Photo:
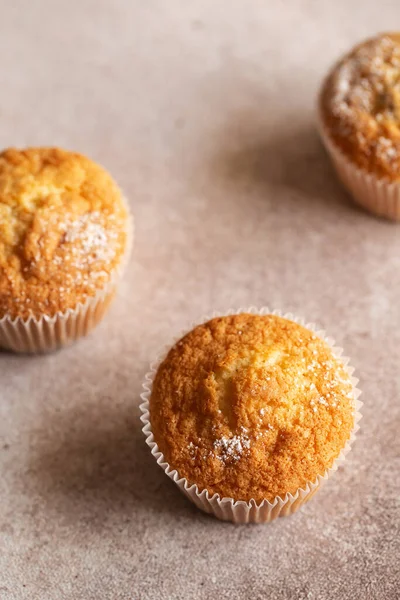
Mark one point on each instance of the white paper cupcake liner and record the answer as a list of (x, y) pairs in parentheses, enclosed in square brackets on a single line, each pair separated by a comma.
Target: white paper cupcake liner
[(44, 334), (229, 509), (377, 195)]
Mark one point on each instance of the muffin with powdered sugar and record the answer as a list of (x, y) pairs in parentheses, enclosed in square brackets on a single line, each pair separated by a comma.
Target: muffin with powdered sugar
[(359, 118), (64, 236), (251, 409)]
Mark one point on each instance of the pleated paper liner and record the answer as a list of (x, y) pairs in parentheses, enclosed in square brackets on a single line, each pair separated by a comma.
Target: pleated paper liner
[(229, 509), (44, 334), (379, 196)]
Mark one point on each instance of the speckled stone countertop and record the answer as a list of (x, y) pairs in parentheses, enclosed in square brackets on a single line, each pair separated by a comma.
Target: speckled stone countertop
[(203, 111)]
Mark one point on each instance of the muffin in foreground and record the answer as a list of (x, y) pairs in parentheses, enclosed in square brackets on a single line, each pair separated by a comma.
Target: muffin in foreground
[(247, 413), (359, 114), (64, 235)]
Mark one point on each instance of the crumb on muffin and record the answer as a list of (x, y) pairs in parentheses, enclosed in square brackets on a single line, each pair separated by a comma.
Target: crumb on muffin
[(360, 105), (251, 407), (63, 230)]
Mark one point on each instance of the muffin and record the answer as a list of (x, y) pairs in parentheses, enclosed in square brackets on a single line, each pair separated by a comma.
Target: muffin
[(359, 117), (248, 413), (64, 237)]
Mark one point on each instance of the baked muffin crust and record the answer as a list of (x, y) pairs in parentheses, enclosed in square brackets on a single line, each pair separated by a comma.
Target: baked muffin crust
[(360, 105), (63, 230), (251, 407)]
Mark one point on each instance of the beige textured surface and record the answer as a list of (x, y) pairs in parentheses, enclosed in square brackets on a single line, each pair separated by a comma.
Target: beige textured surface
[(203, 112)]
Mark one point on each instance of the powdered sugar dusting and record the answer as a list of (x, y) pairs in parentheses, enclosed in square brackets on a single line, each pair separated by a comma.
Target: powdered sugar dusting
[(363, 76), (82, 246), (94, 240), (328, 398), (367, 82), (232, 448)]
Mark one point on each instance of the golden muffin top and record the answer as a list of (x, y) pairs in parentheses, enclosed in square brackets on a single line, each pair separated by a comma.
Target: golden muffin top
[(63, 230), (360, 104), (251, 407)]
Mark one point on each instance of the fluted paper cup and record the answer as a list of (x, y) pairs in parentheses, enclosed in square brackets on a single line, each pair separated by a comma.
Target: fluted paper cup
[(44, 333), (378, 195), (231, 509)]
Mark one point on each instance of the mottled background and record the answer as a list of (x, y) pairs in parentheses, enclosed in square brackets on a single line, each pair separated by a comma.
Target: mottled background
[(203, 111)]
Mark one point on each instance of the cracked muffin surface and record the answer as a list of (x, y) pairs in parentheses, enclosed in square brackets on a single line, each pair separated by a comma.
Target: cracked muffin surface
[(63, 230), (251, 407), (360, 105)]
